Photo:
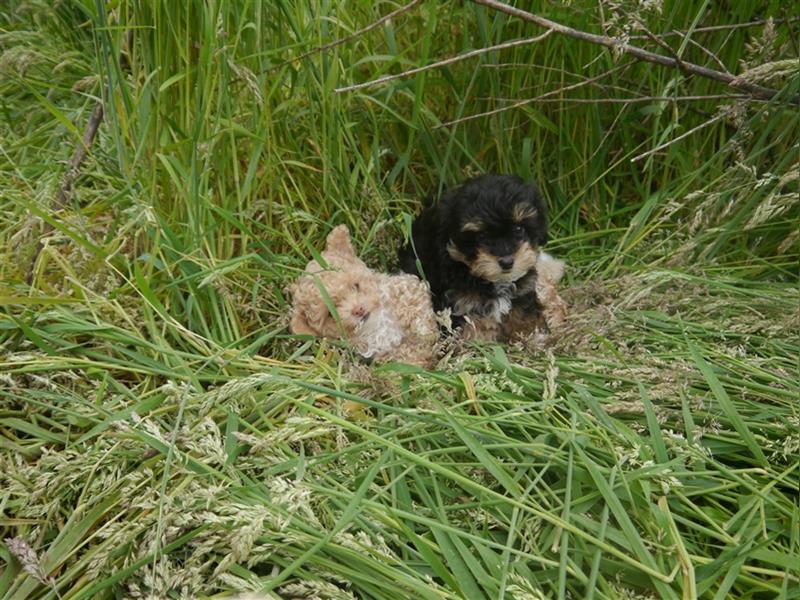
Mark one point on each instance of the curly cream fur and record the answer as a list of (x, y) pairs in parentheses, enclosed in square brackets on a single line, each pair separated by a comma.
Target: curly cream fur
[(549, 272), (384, 317)]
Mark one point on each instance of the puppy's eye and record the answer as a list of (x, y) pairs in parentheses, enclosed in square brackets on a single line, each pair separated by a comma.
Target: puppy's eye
[(518, 230), (356, 287)]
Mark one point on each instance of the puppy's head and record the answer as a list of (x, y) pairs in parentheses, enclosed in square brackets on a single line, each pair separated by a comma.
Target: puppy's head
[(353, 296), (494, 224)]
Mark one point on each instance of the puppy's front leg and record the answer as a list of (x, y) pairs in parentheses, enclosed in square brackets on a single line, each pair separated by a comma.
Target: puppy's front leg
[(524, 318)]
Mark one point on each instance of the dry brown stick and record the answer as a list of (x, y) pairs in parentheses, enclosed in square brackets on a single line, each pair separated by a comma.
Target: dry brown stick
[(639, 53), (78, 156), (347, 38), (81, 151)]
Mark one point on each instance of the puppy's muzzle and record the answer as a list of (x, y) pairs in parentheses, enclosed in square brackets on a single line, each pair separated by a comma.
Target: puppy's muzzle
[(506, 262), (360, 312)]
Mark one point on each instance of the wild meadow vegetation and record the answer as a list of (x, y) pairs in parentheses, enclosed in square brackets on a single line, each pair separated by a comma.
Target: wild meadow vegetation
[(163, 436)]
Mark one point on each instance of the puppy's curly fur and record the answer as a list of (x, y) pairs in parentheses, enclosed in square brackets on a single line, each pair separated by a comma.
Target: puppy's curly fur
[(479, 250), (384, 317)]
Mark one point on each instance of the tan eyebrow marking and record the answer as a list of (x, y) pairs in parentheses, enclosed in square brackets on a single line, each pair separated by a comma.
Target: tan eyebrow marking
[(472, 226), (455, 253), (523, 212)]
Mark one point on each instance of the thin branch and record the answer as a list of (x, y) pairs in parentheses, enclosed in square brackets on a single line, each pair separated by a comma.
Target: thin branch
[(347, 38), (531, 100), (691, 68), (712, 28), (707, 52), (639, 99), (67, 181), (78, 157), (659, 42), (442, 63), (679, 138)]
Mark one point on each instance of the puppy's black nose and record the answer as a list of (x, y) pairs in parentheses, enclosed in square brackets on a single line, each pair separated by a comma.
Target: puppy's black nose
[(506, 262)]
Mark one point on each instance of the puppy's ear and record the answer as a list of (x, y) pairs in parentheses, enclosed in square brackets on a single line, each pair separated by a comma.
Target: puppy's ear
[(338, 241), (536, 200), (541, 232)]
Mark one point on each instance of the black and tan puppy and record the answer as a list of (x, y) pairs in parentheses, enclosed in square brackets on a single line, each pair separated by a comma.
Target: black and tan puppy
[(478, 248)]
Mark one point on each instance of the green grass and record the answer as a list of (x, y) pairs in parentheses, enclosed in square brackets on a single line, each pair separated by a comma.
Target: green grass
[(161, 432)]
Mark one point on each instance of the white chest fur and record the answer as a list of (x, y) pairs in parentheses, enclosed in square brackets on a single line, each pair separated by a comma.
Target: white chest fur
[(379, 334)]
